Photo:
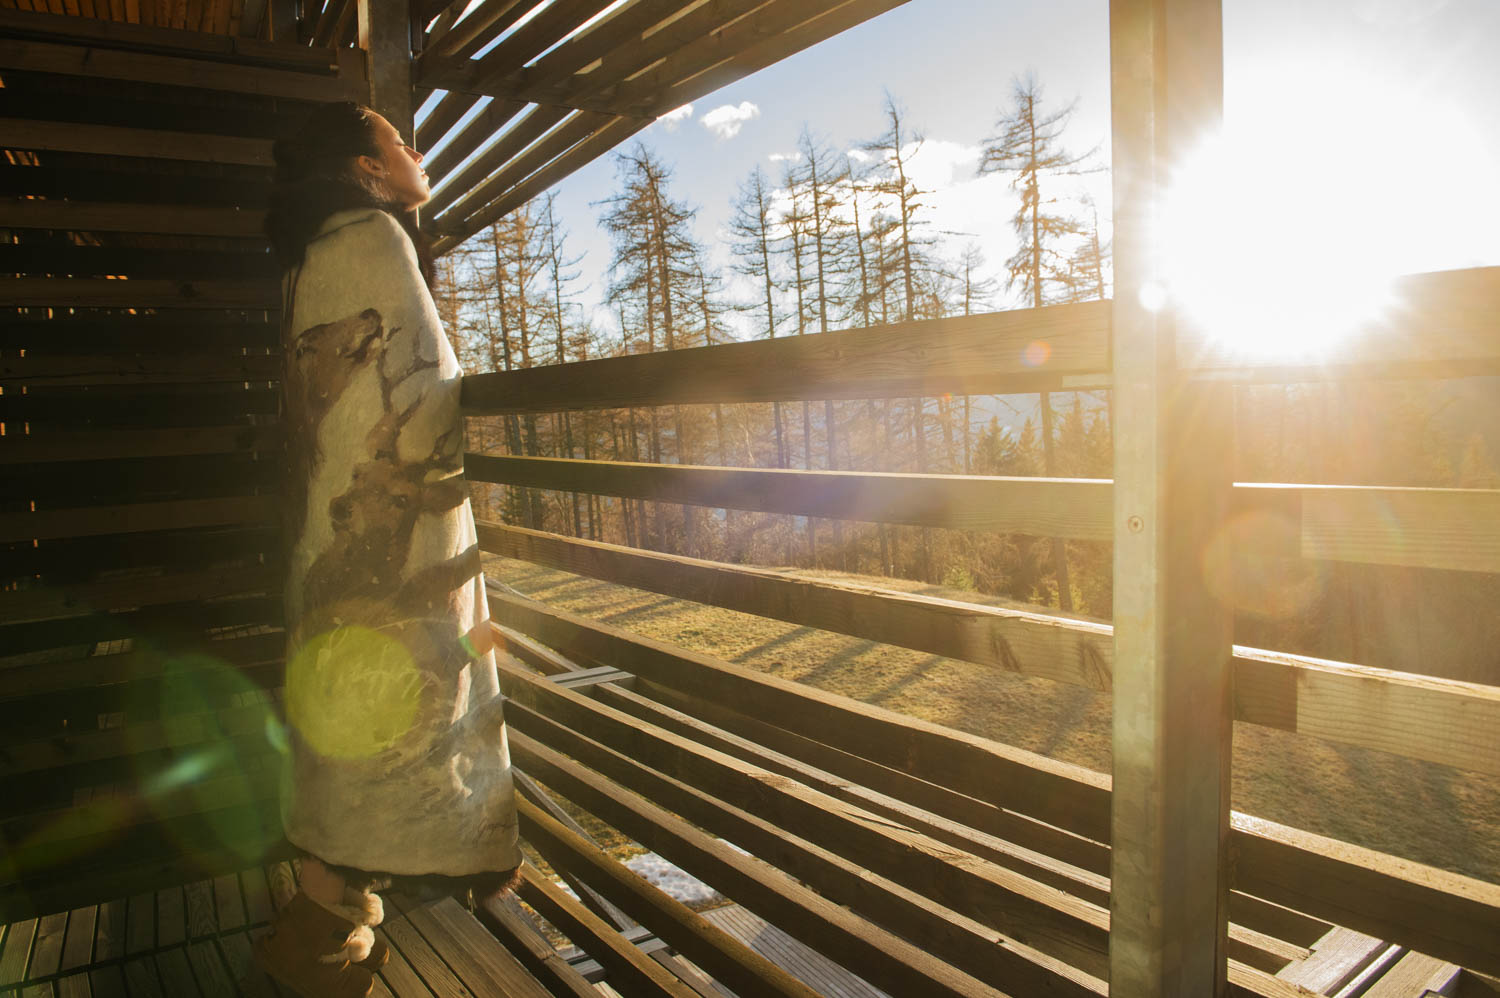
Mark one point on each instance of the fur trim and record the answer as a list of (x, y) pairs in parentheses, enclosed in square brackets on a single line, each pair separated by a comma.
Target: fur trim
[(359, 907), (369, 905), (356, 948)]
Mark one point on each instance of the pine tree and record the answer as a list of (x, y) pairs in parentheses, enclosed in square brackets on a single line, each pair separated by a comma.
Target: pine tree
[(1029, 149)]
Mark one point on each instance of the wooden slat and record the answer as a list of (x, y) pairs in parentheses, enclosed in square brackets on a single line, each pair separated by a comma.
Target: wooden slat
[(516, 140), (634, 972), (98, 216), (524, 941), (1071, 651), (756, 884), (96, 293), (110, 140), (139, 67), (855, 857), (137, 517), (478, 958), (1429, 528), (1444, 915), (110, 445), (1438, 324), (1249, 945), (93, 369), (159, 334), (1298, 870), (974, 355), (564, 165), (1076, 508), (476, 28), (1439, 720), (123, 35), (1066, 796)]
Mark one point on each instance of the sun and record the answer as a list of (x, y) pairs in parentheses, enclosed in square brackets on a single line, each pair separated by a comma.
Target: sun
[(1282, 234)]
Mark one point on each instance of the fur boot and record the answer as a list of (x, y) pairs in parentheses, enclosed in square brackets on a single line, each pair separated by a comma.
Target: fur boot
[(310, 950)]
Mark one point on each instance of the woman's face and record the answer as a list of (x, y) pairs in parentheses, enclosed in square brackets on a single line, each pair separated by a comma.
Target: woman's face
[(399, 167)]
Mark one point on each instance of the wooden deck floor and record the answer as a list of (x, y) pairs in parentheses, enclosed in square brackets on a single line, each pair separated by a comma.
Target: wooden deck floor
[(194, 942)]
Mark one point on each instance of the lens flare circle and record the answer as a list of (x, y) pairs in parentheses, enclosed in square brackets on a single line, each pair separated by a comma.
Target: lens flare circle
[(352, 692)]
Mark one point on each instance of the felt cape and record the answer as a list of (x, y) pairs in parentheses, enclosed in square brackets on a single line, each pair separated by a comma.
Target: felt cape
[(398, 761)]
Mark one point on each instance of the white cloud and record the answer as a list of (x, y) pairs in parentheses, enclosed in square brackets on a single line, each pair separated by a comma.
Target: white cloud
[(938, 163), (859, 155), (784, 157), (673, 118), (726, 120)]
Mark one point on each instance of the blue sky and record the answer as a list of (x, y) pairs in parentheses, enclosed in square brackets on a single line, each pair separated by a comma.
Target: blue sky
[(1393, 98)]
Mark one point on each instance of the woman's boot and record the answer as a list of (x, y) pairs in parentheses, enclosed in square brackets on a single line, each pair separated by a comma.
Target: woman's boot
[(314, 951)]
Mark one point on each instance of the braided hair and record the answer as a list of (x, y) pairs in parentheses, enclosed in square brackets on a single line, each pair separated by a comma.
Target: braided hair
[(316, 177)]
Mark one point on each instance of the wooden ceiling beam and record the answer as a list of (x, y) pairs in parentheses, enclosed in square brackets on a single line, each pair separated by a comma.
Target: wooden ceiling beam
[(574, 159), (472, 33), (483, 127), (532, 126), (525, 44), (701, 73)]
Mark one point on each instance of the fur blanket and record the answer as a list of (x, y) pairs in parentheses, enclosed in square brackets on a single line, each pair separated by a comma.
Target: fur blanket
[(398, 758)]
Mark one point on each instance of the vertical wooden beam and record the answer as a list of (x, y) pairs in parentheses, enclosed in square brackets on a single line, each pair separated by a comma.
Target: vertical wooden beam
[(385, 36), (1172, 702)]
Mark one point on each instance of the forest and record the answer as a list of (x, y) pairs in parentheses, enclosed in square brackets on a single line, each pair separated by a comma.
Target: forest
[(842, 239)]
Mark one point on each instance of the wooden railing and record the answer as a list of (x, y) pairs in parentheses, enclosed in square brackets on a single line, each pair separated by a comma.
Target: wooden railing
[(935, 861)]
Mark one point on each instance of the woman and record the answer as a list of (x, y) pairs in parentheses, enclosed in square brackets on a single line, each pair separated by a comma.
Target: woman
[(398, 764)]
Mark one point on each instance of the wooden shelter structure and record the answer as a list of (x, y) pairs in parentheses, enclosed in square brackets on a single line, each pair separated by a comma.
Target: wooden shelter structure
[(140, 642)]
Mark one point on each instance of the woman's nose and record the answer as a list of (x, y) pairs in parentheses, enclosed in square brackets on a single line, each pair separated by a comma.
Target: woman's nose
[(414, 154)]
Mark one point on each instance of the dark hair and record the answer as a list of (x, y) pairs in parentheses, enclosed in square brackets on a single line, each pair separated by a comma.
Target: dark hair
[(316, 177)]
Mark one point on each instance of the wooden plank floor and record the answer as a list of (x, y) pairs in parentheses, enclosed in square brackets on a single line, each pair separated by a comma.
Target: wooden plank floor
[(194, 941)]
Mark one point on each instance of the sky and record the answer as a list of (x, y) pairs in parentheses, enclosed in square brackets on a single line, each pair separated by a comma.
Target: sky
[(1366, 130)]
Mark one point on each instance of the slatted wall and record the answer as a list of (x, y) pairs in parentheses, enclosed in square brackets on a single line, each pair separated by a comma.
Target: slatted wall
[(140, 618)]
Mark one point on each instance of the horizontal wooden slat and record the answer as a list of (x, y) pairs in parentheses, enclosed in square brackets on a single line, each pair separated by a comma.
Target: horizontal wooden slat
[(1442, 914), (169, 624), (68, 600), (978, 354), (143, 38), (596, 937), (117, 407), (100, 216), (1437, 324), (103, 445), (1322, 880), (1438, 720), (22, 687), (109, 140), (1065, 796), (720, 954), (1246, 944), (1055, 507), (175, 70), (136, 517), (35, 259), (757, 885), (96, 293), (1428, 528), (1037, 915), (1071, 651)]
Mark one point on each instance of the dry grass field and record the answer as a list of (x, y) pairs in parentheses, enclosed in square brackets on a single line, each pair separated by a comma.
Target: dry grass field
[(1431, 814)]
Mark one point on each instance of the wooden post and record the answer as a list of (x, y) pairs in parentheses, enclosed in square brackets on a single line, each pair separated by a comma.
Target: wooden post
[(385, 36), (1172, 695)]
